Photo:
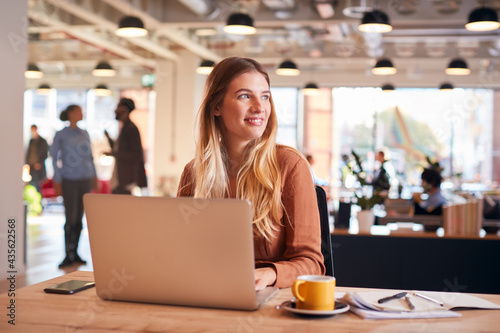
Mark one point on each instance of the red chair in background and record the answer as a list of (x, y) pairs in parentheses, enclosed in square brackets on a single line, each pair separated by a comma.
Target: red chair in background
[(104, 187), (47, 189)]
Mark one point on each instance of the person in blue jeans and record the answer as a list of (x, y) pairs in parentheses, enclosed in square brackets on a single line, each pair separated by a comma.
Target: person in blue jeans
[(74, 175)]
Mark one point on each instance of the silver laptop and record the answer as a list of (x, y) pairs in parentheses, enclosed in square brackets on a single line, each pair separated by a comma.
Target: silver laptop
[(179, 251)]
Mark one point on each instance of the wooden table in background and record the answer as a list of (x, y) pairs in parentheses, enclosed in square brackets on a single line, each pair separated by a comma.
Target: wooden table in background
[(37, 311)]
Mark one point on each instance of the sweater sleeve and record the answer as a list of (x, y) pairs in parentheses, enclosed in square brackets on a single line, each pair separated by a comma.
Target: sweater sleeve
[(301, 224)]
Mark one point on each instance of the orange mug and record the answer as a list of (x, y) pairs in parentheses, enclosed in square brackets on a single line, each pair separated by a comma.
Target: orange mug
[(314, 292)]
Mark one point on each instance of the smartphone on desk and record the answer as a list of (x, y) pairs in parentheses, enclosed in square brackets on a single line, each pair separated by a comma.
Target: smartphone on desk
[(70, 287)]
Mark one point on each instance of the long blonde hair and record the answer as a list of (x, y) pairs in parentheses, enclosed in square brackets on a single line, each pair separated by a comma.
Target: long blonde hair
[(259, 178)]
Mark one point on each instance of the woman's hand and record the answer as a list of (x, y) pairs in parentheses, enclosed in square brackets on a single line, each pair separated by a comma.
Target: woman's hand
[(264, 277)]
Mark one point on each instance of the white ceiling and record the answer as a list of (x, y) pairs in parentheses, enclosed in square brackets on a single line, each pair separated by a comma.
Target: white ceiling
[(69, 37)]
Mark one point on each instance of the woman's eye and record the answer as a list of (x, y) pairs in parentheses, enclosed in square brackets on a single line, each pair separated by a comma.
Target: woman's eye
[(244, 96), (265, 97)]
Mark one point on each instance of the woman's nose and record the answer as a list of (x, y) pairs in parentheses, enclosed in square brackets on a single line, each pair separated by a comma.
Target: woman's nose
[(257, 105)]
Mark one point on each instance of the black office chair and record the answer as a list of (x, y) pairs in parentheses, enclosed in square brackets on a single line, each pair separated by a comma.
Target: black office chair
[(326, 241)]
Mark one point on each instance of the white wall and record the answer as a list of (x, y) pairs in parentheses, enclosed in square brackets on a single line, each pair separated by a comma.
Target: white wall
[(13, 46), (178, 96)]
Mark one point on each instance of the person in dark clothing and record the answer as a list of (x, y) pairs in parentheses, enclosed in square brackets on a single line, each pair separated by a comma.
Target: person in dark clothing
[(35, 157), (129, 170), (381, 178)]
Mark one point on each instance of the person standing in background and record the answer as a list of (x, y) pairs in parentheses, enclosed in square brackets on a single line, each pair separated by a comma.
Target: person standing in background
[(36, 156), (74, 175), (129, 170), (380, 181)]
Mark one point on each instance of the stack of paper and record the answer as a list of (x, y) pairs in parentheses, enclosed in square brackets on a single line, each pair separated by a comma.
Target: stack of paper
[(365, 304)]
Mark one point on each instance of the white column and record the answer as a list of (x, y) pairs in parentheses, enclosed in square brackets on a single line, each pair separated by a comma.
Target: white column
[(161, 123), (13, 43), (178, 96)]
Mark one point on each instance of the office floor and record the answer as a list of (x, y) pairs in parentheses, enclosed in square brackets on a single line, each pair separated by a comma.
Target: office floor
[(45, 249)]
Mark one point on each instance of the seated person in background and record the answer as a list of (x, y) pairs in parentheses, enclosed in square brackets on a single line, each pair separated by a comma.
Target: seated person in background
[(237, 157), (431, 182), (381, 178)]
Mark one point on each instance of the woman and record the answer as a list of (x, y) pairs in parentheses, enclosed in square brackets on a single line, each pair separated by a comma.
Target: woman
[(74, 175), (237, 157)]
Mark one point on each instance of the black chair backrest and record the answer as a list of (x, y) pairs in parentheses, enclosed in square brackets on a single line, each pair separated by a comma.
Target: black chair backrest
[(343, 216), (326, 240)]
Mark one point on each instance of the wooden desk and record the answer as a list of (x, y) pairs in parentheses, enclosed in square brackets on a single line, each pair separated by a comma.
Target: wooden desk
[(426, 220), (37, 311)]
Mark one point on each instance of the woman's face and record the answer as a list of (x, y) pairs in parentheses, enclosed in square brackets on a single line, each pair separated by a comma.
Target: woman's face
[(245, 109), (75, 115)]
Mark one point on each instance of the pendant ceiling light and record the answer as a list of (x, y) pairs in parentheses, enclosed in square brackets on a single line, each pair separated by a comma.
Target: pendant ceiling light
[(457, 67), (375, 21), (43, 89), (388, 87), (205, 67), (33, 72), (288, 68), (446, 87), (103, 69), (102, 90), (311, 89), (483, 19), (131, 26), (384, 67), (240, 24)]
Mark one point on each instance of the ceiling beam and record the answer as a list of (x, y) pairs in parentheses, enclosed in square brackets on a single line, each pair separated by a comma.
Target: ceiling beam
[(90, 38), (171, 34), (90, 17)]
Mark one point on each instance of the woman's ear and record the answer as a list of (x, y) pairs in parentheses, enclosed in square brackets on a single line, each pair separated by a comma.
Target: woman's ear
[(217, 111)]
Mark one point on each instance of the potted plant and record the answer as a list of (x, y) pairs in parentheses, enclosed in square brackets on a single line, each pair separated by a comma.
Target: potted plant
[(366, 198)]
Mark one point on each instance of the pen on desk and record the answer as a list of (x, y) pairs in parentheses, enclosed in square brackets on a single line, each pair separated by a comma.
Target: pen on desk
[(387, 299), (409, 302), (429, 299)]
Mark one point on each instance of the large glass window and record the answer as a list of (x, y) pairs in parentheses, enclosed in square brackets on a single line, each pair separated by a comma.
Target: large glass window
[(285, 101), (454, 128)]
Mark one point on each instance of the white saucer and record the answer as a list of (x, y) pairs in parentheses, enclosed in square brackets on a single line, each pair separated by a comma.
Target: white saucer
[(339, 308)]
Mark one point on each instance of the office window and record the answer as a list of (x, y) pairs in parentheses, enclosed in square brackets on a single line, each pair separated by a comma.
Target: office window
[(285, 102), (39, 106), (454, 128)]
